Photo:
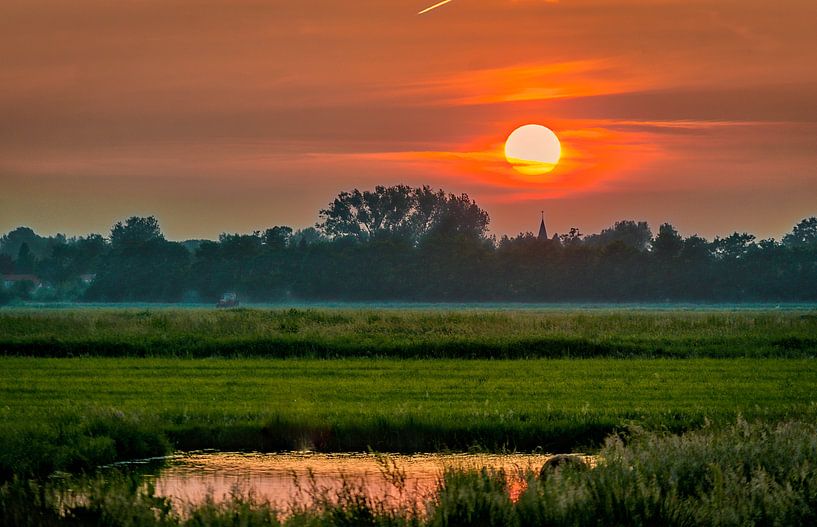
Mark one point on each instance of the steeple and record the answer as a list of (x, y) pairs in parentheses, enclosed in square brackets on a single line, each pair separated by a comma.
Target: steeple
[(543, 232)]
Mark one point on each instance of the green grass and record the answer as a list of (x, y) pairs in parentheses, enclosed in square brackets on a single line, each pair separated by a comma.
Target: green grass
[(332, 333), (78, 413)]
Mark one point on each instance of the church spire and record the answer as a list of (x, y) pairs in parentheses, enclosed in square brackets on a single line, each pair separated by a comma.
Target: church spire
[(543, 232)]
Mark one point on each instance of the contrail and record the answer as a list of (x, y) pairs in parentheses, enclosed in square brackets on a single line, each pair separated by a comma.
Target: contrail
[(435, 6)]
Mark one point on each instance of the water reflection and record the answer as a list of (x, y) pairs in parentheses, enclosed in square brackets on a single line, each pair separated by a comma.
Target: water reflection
[(294, 479)]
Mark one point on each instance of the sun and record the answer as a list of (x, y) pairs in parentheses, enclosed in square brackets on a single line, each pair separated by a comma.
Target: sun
[(533, 150)]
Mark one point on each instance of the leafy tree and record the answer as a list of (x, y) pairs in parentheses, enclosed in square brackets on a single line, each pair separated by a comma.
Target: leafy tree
[(736, 245), (455, 216), (10, 243), (368, 213), (303, 237), (402, 211), (572, 238), (804, 234), (636, 235), (141, 265), (668, 244), (695, 250), (135, 231), (277, 238), (71, 259), (25, 260)]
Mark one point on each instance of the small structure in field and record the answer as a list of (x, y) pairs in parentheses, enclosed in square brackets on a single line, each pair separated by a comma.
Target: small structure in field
[(228, 300)]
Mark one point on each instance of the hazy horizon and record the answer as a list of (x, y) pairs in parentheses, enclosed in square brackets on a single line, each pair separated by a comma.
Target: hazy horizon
[(105, 231)]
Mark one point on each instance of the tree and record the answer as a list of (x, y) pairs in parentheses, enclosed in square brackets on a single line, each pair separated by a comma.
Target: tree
[(135, 231), (404, 212), (668, 244), (71, 259), (304, 237), (635, 235), (455, 216), (572, 238), (734, 246), (695, 250), (25, 260), (804, 234), (277, 238), (369, 213), (141, 265), (10, 243)]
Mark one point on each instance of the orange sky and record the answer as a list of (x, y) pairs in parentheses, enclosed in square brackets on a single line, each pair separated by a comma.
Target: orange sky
[(235, 115)]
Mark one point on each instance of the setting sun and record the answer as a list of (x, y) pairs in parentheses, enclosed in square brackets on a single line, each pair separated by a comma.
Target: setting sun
[(533, 150)]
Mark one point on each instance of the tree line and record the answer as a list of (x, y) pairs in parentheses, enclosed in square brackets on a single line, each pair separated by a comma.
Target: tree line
[(409, 244)]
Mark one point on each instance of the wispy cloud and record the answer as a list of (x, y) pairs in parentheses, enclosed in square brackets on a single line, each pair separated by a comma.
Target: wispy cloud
[(529, 82)]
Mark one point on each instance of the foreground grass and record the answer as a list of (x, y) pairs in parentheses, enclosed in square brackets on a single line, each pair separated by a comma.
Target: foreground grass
[(74, 414), (409, 333), (743, 474)]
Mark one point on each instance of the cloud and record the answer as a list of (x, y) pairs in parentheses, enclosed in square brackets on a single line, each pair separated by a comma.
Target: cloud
[(525, 82)]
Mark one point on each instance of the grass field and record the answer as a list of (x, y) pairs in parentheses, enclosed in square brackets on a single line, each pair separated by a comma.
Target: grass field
[(84, 388), (333, 333), (75, 413)]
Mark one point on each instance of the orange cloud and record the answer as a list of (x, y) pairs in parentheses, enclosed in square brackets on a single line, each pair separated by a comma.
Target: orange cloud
[(529, 82)]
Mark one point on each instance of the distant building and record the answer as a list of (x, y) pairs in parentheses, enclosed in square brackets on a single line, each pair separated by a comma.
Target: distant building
[(543, 232), (10, 280), (87, 278)]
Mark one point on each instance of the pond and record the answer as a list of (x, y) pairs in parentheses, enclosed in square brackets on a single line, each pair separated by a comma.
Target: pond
[(296, 479)]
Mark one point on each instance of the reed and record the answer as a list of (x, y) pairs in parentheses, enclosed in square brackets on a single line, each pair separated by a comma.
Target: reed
[(740, 474)]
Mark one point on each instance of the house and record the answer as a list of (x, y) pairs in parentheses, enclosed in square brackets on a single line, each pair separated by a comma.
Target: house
[(10, 280), (87, 278)]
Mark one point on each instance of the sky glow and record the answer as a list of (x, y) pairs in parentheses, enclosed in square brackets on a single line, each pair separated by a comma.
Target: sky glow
[(241, 114)]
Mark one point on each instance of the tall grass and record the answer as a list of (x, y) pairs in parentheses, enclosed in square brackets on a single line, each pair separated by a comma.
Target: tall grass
[(742, 474), (326, 333)]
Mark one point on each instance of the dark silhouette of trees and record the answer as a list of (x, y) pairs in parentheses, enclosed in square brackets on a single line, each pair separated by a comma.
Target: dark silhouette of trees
[(25, 260), (734, 246), (6, 264), (402, 211), (141, 265), (135, 232), (668, 244), (804, 234), (413, 244), (636, 235), (277, 238), (571, 239), (39, 246)]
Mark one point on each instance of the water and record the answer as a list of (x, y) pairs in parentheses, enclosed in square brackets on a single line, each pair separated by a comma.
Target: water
[(294, 479)]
